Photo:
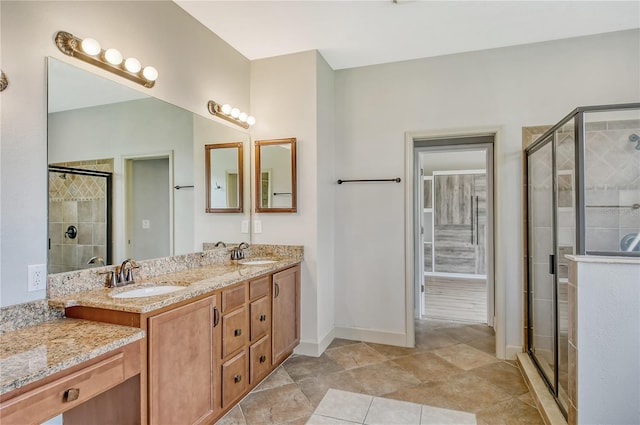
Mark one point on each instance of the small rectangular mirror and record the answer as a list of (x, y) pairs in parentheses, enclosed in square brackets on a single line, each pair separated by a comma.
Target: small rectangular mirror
[(223, 164), (275, 176)]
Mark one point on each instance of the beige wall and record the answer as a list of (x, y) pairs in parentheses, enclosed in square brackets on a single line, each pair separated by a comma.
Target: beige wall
[(194, 65)]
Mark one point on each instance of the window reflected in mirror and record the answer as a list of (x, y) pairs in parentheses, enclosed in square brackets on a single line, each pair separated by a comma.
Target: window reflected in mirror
[(223, 164), (276, 175)]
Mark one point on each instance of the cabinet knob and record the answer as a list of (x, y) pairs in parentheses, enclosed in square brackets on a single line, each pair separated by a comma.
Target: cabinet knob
[(237, 378), (263, 358), (263, 317), (71, 394), (237, 332)]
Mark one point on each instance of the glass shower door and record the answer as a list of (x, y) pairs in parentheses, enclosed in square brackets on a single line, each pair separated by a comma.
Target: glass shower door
[(541, 259)]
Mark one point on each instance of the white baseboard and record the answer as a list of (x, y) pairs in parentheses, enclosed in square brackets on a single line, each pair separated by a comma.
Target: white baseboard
[(512, 351), (370, 335), (312, 349)]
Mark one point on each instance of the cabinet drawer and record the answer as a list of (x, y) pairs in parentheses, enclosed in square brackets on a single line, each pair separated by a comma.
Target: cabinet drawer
[(234, 331), (63, 394), (259, 287), (260, 359), (260, 317), (233, 297), (234, 379)]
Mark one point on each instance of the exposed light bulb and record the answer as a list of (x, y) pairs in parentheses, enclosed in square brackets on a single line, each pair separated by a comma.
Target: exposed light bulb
[(226, 109), (113, 56), (150, 73), (243, 116), (251, 120), (132, 65), (235, 113), (90, 46)]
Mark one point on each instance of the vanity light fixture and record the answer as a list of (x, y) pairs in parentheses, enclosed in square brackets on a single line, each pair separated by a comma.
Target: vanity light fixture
[(231, 114), (4, 83), (90, 51)]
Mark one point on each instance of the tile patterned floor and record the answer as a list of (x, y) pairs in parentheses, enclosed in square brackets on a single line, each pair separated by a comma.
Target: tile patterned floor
[(453, 367)]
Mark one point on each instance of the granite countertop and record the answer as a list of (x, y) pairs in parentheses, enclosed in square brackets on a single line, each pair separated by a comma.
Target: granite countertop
[(196, 281), (38, 351)]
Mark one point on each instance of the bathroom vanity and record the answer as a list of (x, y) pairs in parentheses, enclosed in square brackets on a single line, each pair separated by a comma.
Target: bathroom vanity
[(208, 344)]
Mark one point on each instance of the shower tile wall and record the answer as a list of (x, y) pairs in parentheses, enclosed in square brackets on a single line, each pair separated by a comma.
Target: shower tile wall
[(80, 201), (612, 184)]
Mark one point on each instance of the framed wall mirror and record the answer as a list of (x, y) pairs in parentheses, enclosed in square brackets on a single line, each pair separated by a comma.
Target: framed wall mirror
[(275, 176), (223, 165)]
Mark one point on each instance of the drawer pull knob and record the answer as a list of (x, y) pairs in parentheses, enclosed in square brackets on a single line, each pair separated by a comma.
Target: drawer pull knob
[(263, 317), (237, 378), (237, 332), (71, 394), (263, 358)]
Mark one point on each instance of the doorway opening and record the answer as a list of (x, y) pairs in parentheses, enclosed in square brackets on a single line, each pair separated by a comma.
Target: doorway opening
[(149, 207), (454, 229)]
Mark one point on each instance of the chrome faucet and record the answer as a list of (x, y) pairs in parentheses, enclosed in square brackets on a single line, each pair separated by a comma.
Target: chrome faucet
[(96, 259), (238, 253), (125, 274), (220, 243)]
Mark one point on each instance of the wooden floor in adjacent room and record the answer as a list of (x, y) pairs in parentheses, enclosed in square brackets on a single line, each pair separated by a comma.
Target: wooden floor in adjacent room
[(458, 299)]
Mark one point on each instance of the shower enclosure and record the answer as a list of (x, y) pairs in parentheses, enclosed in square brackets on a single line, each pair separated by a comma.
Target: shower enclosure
[(79, 217), (583, 198)]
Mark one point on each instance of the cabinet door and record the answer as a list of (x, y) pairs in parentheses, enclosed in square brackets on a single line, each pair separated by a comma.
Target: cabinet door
[(285, 313), (234, 379), (181, 364), (259, 359), (260, 317), (453, 199)]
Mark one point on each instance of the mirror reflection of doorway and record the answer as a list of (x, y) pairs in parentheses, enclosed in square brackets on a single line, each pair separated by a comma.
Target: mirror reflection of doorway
[(265, 189), (455, 224), (148, 208), (233, 201)]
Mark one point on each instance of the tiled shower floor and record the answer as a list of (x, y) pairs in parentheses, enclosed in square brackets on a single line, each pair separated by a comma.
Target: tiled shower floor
[(452, 367)]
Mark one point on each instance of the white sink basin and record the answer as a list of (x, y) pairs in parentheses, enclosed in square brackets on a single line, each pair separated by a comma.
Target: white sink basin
[(256, 262), (148, 291)]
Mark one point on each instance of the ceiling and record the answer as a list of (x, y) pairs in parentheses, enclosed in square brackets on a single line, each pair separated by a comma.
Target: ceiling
[(366, 32)]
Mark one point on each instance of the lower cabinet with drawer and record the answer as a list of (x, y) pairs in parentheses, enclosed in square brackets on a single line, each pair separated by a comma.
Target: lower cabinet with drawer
[(203, 355)]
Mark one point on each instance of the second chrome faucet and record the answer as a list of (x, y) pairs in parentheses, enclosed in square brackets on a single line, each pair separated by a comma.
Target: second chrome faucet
[(238, 252)]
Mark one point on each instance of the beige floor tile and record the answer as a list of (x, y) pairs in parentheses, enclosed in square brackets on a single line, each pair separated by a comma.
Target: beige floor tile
[(382, 378), (503, 375), (434, 339), (324, 420), (344, 405), (465, 392), (357, 355), (485, 344), (428, 367), (278, 378), (393, 412), (510, 412), (316, 388), (528, 398), (439, 416), (276, 406), (339, 342), (467, 333), (393, 352), (233, 417), (464, 356), (304, 367)]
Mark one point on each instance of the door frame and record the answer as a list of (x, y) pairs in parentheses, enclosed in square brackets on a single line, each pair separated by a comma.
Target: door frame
[(412, 174), (127, 162)]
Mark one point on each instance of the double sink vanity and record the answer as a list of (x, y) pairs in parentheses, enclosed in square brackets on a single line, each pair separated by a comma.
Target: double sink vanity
[(183, 345)]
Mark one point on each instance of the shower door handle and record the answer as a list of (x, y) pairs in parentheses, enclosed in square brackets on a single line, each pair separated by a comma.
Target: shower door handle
[(471, 217), (552, 264), (477, 223)]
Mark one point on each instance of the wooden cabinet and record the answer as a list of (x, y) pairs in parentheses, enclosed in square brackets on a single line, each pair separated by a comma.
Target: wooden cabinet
[(285, 334), (234, 379), (460, 219), (181, 364)]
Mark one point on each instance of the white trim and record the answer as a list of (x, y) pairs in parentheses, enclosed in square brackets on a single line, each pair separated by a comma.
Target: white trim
[(453, 172), (308, 348), (373, 336), (493, 268), (511, 351), (460, 275)]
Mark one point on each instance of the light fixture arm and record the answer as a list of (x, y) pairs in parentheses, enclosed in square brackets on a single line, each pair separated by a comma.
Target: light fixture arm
[(215, 109), (4, 83), (71, 45)]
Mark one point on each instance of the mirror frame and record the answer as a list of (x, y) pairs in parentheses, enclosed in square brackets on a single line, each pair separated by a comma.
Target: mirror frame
[(207, 159), (294, 191)]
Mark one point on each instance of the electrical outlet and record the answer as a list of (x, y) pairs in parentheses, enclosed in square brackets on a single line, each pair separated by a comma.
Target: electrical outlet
[(37, 277), (244, 226)]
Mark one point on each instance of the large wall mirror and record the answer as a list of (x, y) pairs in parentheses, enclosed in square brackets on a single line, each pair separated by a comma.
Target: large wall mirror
[(224, 177), (275, 175), (153, 154)]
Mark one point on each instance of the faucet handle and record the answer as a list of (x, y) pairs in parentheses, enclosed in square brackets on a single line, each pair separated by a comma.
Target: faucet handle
[(110, 279)]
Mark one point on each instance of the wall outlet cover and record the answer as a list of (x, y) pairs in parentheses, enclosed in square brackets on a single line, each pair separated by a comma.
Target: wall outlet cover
[(37, 277), (257, 226)]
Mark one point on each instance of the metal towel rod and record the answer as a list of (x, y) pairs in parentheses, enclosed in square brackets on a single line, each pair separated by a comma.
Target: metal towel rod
[(178, 187), (397, 180), (633, 207), (282, 193)]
